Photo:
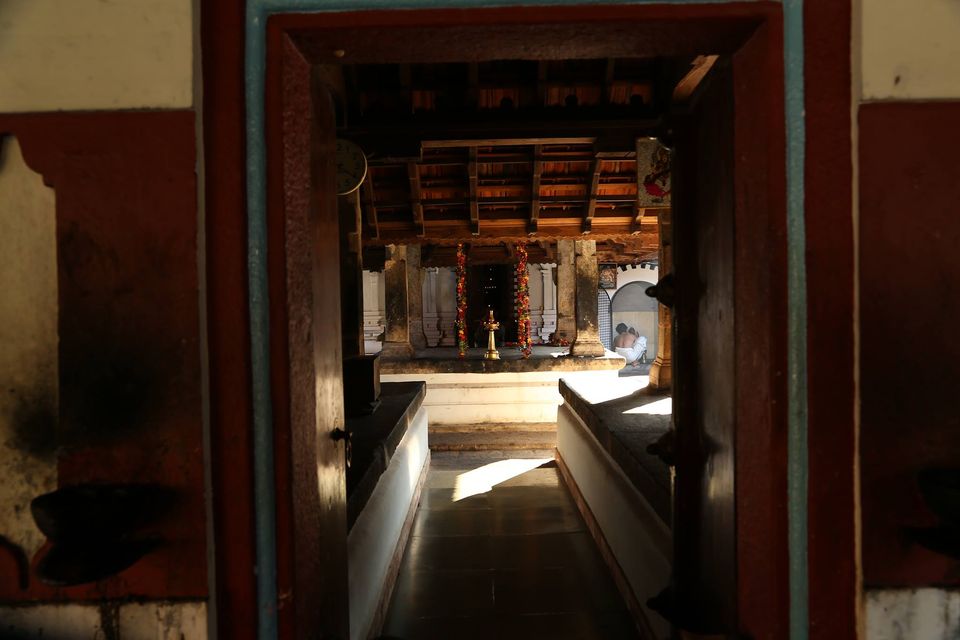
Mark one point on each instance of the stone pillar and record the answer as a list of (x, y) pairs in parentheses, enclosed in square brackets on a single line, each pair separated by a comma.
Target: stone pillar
[(447, 306), (661, 371), (351, 276), (430, 313), (566, 291), (415, 298), (588, 276), (396, 343), (548, 312), (372, 311)]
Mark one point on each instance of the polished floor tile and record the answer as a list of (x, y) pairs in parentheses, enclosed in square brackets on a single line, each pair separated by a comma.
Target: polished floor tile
[(512, 560)]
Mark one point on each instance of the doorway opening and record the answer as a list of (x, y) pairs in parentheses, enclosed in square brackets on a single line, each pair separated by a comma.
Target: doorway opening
[(726, 219)]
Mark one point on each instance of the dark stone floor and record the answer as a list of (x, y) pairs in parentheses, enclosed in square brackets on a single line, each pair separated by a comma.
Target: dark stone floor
[(514, 560)]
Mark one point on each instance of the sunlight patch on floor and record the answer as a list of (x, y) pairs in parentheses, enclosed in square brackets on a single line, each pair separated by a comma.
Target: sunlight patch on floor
[(483, 479), (661, 407)]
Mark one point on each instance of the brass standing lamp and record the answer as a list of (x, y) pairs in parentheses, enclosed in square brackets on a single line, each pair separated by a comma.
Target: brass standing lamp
[(491, 326)]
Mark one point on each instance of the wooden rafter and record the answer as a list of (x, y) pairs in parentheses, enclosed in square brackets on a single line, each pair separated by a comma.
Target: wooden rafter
[(370, 207), (474, 205), (699, 69), (592, 195), (416, 204), (535, 188)]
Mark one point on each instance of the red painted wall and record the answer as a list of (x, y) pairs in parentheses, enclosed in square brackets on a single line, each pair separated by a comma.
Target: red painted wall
[(130, 405), (910, 305)]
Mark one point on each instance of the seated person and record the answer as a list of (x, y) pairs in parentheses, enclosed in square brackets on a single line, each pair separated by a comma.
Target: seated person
[(630, 345), (624, 338)]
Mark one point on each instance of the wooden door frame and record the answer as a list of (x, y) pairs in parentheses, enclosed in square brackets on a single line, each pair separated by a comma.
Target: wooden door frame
[(238, 417), (761, 273)]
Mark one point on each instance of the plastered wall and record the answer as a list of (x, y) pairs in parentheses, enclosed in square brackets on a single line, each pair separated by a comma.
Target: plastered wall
[(910, 50), (907, 125), (28, 346), (60, 55)]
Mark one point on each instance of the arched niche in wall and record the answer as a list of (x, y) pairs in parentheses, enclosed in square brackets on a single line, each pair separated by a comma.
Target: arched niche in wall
[(633, 307)]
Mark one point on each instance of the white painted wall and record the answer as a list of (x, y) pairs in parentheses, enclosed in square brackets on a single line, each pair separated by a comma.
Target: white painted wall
[(62, 55), (498, 398), (375, 535), (637, 537), (910, 49), (28, 344), (913, 614)]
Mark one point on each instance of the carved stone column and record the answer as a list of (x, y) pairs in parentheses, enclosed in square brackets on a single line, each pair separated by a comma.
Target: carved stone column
[(548, 322), (396, 344), (661, 371), (351, 276), (566, 291), (372, 310), (430, 311), (447, 306), (588, 275), (415, 297)]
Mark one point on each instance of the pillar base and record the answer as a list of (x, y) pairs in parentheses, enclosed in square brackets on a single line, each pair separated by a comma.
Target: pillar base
[(661, 374), (397, 351), (587, 348)]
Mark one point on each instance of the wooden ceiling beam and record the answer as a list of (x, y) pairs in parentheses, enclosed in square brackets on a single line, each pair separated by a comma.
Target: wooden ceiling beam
[(474, 205), (687, 87), (413, 174), (591, 206), (535, 188), (370, 207)]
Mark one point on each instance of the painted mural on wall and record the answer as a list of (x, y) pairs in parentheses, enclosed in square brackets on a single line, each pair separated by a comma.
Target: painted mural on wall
[(654, 166), (608, 276)]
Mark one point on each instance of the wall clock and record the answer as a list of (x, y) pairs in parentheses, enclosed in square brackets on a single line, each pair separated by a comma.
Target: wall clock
[(351, 167)]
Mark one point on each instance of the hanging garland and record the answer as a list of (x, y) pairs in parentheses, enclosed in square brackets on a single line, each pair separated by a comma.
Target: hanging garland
[(461, 301), (523, 302)]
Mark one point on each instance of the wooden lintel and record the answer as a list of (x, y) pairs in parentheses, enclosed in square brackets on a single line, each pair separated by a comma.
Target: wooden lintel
[(370, 207), (416, 205), (474, 205), (592, 195)]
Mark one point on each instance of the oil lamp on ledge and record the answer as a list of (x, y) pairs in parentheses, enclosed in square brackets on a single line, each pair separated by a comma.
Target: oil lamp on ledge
[(491, 325)]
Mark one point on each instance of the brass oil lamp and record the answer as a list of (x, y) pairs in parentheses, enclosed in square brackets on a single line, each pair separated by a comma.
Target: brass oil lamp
[(491, 325)]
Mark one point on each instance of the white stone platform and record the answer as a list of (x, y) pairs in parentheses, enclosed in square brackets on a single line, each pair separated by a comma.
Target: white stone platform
[(510, 390)]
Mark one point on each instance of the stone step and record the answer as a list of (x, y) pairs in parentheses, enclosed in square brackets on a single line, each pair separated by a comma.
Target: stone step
[(519, 427), (492, 440)]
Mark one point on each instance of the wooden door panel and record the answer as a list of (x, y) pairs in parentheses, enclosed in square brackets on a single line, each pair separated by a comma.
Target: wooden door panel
[(704, 392)]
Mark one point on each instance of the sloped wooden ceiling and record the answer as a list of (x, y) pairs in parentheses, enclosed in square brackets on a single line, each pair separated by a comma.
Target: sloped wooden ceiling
[(499, 152)]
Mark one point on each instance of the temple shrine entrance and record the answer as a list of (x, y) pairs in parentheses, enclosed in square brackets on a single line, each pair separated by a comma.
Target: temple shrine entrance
[(507, 175), (491, 287)]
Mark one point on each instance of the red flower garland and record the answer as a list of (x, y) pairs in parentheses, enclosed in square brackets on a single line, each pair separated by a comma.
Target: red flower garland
[(461, 301), (523, 302)]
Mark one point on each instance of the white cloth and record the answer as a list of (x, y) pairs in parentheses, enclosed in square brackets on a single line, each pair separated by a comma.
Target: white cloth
[(632, 354)]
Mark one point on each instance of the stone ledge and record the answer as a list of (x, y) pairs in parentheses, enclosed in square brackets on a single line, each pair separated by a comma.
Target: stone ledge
[(445, 360), (375, 439), (615, 415)]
